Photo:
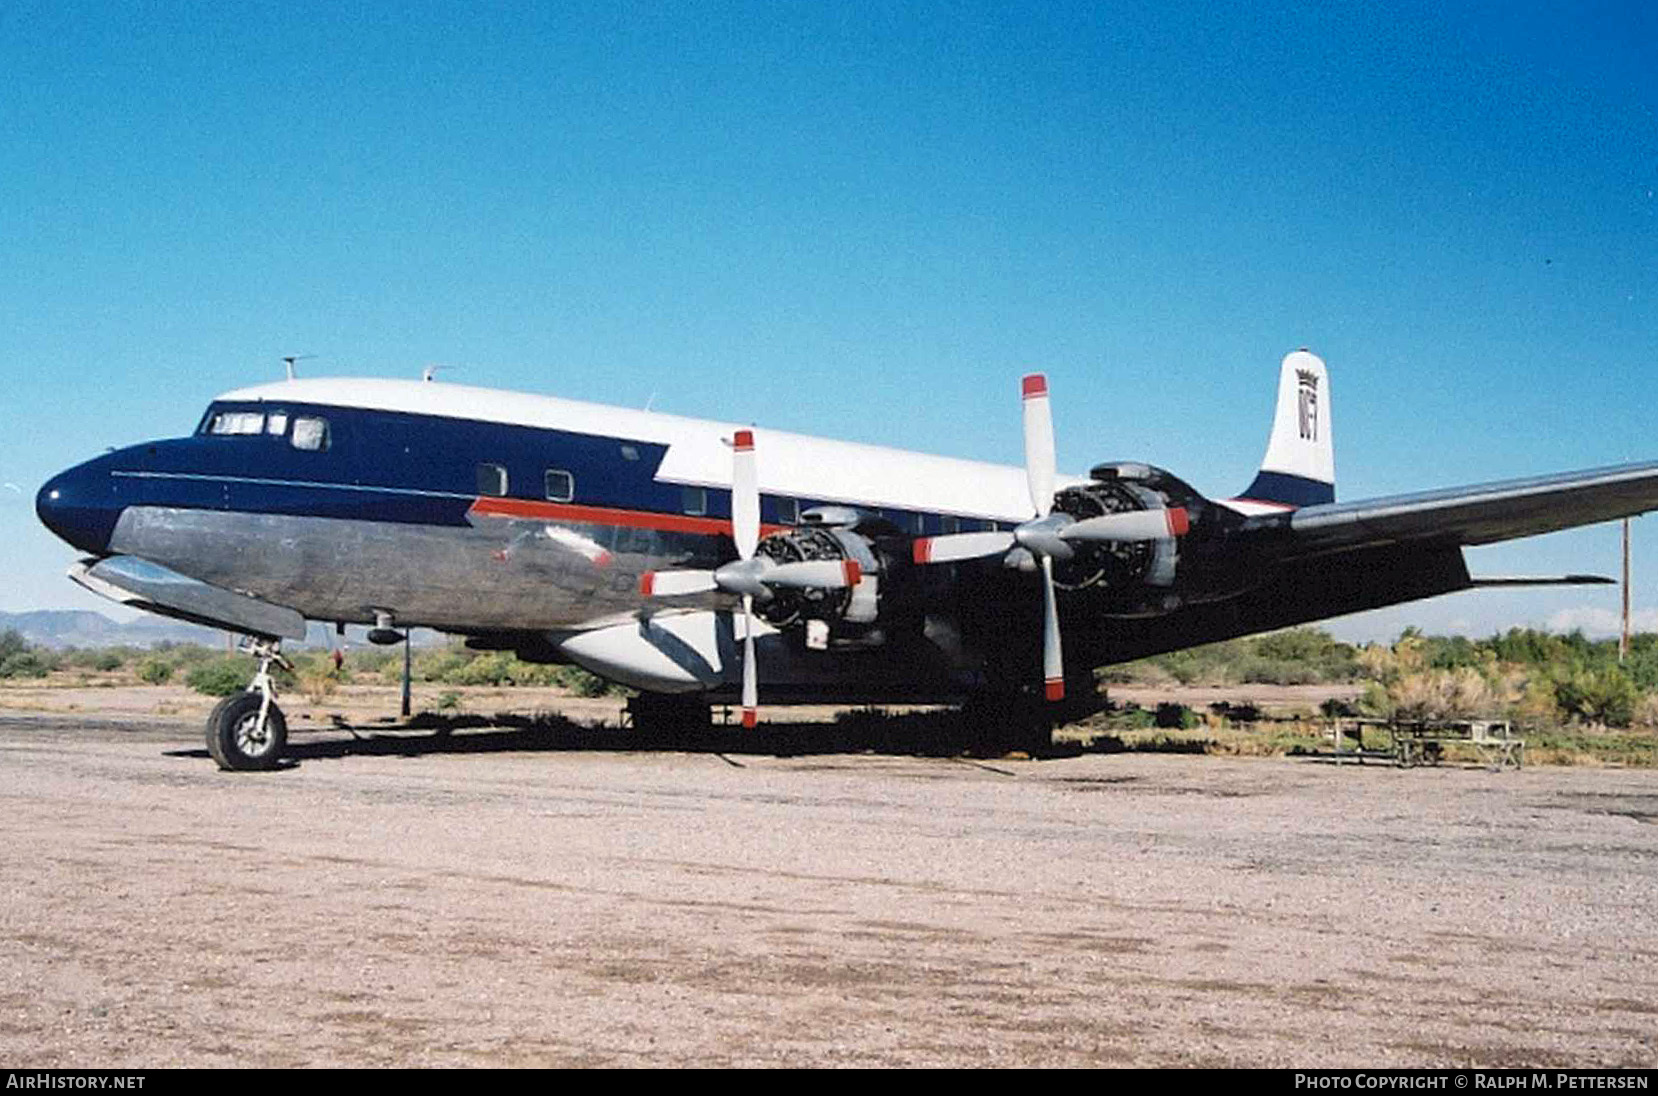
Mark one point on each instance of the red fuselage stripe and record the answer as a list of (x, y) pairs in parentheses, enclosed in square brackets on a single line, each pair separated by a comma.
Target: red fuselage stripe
[(605, 515)]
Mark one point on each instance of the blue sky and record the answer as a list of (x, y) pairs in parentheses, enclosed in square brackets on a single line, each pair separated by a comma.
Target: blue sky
[(861, 220)]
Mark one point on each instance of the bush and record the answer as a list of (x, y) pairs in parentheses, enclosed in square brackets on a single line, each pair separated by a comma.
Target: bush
[(27, 663), (1606, 697), (155, 671), (1175, 715), (223, 676)]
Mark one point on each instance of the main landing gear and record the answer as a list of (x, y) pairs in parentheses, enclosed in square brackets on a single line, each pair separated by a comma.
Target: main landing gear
[(247, 732)]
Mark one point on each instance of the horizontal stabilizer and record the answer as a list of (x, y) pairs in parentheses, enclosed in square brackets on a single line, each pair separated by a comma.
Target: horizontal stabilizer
[(1544, 580), (141, 584)]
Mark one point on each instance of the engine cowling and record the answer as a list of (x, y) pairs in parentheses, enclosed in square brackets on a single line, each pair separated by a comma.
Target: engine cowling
[(858, 605), (1117, 488)]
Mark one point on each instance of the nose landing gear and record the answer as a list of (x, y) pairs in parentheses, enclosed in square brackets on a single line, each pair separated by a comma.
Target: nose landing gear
[(247, 732)]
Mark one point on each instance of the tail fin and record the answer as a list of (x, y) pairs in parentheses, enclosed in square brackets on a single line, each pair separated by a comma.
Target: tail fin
[(1300, 466)]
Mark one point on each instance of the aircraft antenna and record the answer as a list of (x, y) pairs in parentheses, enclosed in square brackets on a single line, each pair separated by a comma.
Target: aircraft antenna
[(289, 360), (429, 374)]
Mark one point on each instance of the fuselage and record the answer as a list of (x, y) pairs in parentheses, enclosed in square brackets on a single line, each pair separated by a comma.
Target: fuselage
[(340, 497), (497, 514)]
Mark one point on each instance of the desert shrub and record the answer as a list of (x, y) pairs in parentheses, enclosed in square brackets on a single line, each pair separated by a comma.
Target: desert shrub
[(440, 664), (1175, 715), (494, 668), (27, 663), (583, 683), (20, 658), (1376, 701), (102, 659), (1606, 696), (226, 675), (1336, 708), (155, 671)]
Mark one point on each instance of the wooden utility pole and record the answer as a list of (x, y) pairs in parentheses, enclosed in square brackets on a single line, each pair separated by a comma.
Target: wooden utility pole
[(1623, 639)]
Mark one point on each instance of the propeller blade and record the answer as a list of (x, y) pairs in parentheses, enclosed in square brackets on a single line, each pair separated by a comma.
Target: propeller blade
[(1132, 525), (676, 583), (1053, 660), (952, 547), (1039, 443), (751, 684), (745, 495), (814, 573)]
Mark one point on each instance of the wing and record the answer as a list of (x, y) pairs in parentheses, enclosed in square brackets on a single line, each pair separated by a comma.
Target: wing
[(1481, 514)]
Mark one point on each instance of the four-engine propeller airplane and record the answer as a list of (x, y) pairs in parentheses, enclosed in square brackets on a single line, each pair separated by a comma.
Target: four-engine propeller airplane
[(693, 560)]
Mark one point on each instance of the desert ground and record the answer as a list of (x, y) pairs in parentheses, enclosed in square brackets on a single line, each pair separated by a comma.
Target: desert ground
[(503, 897)]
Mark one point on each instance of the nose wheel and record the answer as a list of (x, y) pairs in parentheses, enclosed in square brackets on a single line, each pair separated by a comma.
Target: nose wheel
[(247, 732)]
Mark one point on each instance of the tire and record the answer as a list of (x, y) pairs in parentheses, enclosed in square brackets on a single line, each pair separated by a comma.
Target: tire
[(233, 738)]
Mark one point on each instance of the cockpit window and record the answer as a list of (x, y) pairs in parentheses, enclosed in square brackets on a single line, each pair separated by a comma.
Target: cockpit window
[(276, 423), (310, 433), (237, 422)]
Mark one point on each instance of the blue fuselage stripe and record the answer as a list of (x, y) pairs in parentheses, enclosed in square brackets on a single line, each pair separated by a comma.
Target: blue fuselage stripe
[(422, 469), (1289, 489)]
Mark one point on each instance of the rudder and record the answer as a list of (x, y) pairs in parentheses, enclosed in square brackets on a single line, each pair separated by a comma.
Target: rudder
[(1299, 468)]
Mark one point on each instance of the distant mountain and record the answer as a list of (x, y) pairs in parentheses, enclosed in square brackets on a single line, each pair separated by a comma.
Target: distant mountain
[(84, 628), (59, 628)]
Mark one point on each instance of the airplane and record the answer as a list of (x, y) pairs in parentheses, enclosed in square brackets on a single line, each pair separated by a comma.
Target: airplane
[(700, 562)]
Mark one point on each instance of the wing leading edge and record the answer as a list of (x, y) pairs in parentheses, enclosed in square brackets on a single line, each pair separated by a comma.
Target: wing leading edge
[(1480, 514)]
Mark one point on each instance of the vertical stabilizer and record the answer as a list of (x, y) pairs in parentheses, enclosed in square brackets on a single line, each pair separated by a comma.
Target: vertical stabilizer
[(1300, 466)]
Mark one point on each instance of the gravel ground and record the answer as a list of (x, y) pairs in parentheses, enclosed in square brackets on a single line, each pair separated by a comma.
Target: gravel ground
[(504, 899)]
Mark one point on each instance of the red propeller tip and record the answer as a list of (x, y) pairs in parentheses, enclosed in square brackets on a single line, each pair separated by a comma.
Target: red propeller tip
[(1055, 688), (744, 441), (1034, 385), (852, 572), (647, 583), (749, 716), (922, 550), (1179, 521)]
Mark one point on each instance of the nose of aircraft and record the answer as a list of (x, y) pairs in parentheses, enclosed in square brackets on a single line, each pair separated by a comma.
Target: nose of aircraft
[(78, 506)]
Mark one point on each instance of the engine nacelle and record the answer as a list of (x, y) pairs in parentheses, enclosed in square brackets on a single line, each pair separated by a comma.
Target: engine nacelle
[(861, 614), (859, 606), (1121, 488)]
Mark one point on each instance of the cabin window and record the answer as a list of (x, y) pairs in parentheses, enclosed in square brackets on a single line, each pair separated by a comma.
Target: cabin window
[(630, 452), (310, 434), (949, 523), (561, 485), (694, 500), (788, 511), (492, 480), (276, 423), (237, 422)]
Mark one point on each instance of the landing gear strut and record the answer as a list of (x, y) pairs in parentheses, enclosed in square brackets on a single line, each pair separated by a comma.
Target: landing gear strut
[(247, 732)]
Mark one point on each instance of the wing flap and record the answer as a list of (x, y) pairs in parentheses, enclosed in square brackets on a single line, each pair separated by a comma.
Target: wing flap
[(1481, 514)]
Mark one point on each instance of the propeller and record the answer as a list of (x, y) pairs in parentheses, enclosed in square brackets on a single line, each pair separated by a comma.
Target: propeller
[(1049, 536), (750, 576)]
